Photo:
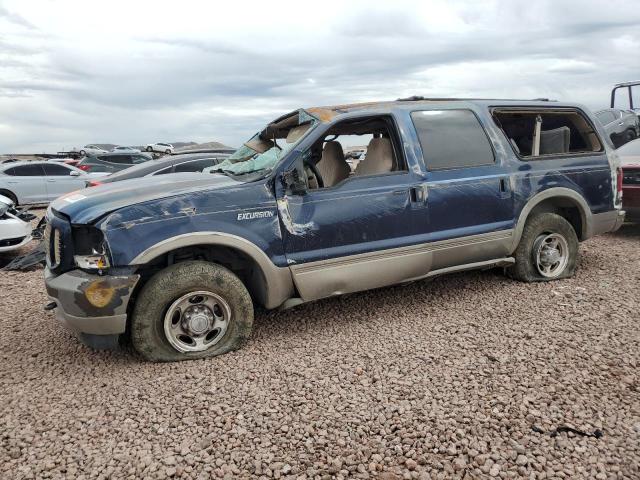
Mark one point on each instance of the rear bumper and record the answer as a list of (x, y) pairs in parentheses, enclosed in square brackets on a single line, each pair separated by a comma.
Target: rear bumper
[(91, 305), (607, 222)]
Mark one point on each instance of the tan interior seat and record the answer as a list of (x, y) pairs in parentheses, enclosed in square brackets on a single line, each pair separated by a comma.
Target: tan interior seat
[(332, 166), (379, 158)]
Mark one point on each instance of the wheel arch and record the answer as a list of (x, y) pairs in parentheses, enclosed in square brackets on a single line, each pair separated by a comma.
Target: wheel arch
[(272, 285), (563, 201), (11, 195)]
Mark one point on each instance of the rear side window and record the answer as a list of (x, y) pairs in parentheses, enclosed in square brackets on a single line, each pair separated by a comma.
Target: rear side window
[(25, 171), (139, 159), (452, 139), (122, 159), (606, 117), (547, 132), (195, 165)]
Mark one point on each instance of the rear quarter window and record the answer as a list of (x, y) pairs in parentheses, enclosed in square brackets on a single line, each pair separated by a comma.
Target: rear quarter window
[(538, 133), (452, 139)]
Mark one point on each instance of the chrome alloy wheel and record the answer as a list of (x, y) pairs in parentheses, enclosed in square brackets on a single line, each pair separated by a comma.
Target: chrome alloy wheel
[(196, 321), (551, 254)]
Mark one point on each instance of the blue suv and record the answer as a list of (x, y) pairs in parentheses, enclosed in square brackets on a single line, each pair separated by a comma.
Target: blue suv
[(177, 263)]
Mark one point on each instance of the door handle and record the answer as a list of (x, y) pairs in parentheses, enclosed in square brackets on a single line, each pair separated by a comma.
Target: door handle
[(505, 187), (419, 193)]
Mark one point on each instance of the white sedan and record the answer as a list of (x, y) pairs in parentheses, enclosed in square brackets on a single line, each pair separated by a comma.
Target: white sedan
[(14, 232), (89, 150), (29, 183), (159, 147)]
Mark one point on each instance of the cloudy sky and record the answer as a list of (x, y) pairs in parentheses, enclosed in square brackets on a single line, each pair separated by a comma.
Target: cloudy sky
[(132, 72)]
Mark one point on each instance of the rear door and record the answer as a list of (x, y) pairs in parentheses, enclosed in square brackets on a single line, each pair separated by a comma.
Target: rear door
[(469, 188), (59, 180), (27, 183)]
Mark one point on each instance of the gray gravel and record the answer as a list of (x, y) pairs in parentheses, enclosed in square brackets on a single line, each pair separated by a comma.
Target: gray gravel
[(441, 379)]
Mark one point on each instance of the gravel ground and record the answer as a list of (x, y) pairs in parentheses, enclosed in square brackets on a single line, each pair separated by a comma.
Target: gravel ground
[(463, 377)]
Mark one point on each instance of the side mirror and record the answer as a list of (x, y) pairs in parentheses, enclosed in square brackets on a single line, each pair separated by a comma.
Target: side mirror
[(73, 173), (294, 179)]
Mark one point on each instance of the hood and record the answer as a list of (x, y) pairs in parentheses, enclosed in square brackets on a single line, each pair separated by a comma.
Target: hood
[(87, 205)]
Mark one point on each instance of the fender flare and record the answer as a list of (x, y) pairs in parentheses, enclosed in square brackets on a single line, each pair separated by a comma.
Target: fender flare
[(554, 192), (277, 286)]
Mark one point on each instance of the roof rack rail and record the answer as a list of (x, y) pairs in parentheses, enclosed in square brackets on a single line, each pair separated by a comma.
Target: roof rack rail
[(417, 98)]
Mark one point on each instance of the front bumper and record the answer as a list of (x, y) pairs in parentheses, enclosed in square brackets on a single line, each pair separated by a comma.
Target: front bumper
[(90, 304), (15, 233)]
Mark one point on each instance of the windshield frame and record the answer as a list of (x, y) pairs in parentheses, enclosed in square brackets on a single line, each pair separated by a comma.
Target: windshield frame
[(275, 130)]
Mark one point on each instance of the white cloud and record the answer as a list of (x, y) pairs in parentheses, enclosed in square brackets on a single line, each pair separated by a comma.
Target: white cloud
[(75, 72)]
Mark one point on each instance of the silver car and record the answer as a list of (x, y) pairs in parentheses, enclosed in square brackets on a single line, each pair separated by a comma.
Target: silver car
[(28, 183), (622, 126)]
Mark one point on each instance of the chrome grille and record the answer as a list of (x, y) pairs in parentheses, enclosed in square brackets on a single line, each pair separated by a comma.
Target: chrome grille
[(57, 248), (52, 245), (46, 238)]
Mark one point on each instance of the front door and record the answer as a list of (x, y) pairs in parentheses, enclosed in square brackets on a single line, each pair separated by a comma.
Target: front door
[(60, 180), (364, 228)]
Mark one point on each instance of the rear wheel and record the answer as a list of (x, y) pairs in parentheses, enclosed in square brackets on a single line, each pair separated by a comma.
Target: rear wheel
[(191, 310), (83, 153), (548, 250), (10, 195), (167, 151), (629, 135)]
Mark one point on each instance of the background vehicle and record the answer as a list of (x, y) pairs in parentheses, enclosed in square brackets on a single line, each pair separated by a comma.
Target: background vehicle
[(89, 150), (112, 162), (27, 183), (630, 160), (120, 149), (159, 147), (447, 185), (14, 231), (68, 161), (171, 164), (626, 95), (621, 126)]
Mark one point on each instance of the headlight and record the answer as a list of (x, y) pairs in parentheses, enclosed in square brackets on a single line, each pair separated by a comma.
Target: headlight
[(90, 248)]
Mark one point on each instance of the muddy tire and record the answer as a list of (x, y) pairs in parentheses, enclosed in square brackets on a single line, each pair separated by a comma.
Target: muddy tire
[(548, 250), (191, 310)]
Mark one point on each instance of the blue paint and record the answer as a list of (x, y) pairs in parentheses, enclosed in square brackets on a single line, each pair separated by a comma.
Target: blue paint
[(359, 215)]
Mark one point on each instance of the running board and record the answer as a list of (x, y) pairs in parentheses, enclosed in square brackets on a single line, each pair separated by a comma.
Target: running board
[(485, 265), (500, 262)]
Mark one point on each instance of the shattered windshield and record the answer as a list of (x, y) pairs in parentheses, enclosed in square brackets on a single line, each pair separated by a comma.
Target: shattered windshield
[(266, 148)]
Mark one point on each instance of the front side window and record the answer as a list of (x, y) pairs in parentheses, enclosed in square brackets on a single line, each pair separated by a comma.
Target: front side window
[(542, 132), (53, 170), (452, 139), (375, 141)]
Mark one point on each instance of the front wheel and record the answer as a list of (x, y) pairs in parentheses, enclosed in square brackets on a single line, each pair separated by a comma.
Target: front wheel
[(167, 151), (191, 310), (83, 153), (548, 250), (149, 149)]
